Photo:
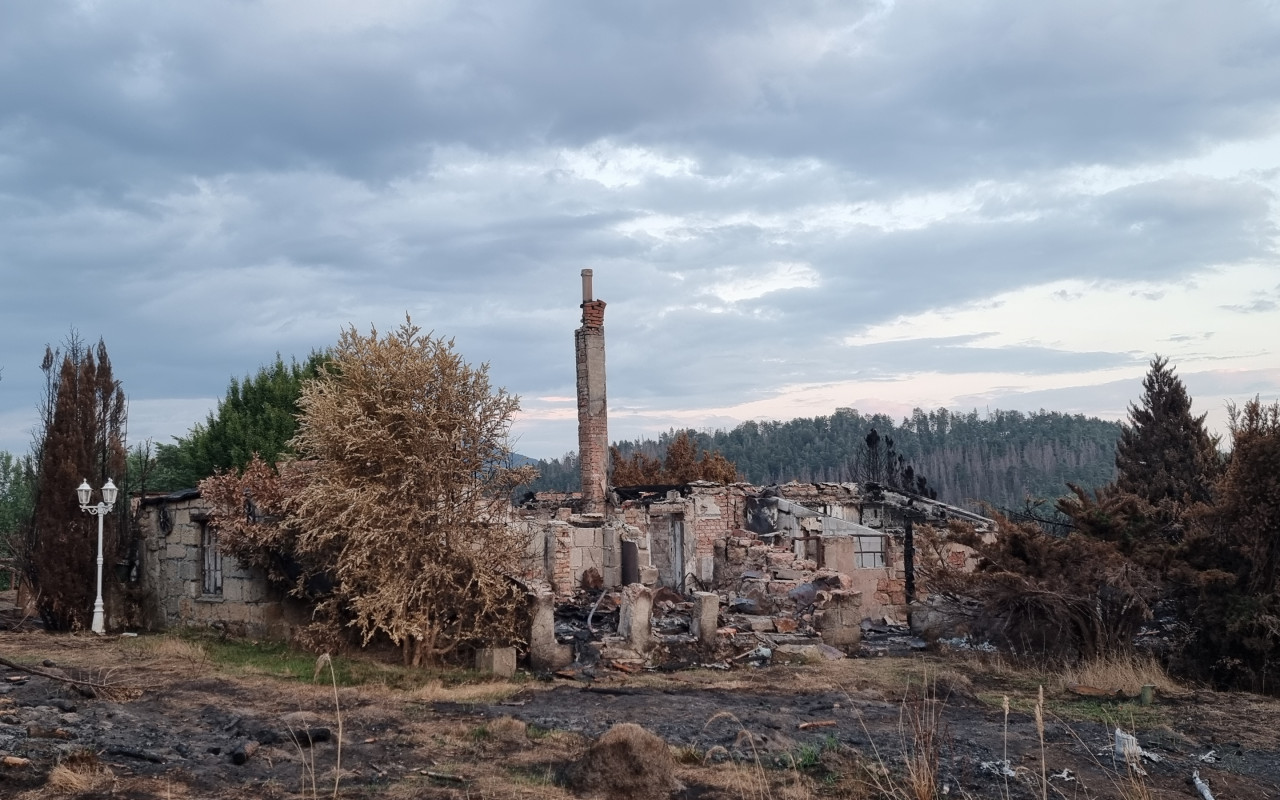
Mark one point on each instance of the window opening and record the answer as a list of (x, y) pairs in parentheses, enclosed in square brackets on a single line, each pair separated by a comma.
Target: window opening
[(211, 571)]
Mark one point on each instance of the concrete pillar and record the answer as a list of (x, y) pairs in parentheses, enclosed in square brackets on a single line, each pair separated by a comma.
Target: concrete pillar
[(612, 557), (635, 617), (545, 654), (593, 419), (706, 618), (500, 661), (840, 620)]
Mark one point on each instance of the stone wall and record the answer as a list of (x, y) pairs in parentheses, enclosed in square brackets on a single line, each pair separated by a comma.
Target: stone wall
[(172, 575), (816, 528)]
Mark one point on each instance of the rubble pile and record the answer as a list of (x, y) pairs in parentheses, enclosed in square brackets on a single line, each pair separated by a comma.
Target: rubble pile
[(768, 604)]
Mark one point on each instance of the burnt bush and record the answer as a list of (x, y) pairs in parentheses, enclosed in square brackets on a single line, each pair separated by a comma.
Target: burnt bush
[(1041, 596)]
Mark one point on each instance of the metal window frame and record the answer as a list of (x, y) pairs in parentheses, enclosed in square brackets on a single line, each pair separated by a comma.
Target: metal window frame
[(210, 561), (875, 557)]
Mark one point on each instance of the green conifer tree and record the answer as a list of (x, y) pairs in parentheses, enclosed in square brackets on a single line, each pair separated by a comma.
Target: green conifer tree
[(258, 415), (1164, 454)]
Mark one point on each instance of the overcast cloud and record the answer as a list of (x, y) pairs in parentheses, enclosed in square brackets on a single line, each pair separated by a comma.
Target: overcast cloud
[(788, 207)]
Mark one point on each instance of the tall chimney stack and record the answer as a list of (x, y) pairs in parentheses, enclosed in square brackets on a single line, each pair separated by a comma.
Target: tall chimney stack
[(593, 418)]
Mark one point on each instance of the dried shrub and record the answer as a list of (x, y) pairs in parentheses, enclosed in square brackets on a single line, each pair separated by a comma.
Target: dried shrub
[(626, 762), (682, 464), (1039, 595), (250, 511), (403, 497), (392, 521), (1230, 583)]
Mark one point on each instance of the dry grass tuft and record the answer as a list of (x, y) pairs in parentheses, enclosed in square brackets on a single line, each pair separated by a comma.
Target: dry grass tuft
[(164, 647), (626, 762), (509, 730), (921, 727), (79, 773), (437, 692), (1127, 671)]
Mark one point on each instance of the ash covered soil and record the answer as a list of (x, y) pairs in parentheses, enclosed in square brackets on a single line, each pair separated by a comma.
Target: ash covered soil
[(172, 732)]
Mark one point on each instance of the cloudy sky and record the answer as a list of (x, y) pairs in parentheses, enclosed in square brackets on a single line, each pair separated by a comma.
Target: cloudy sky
[(789, 207)]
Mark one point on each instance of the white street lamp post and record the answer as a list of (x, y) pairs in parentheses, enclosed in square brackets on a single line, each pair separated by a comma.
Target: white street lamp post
[(100, 510)]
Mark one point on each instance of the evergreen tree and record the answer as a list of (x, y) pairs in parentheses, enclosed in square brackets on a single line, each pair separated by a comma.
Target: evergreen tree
[(1165, 454), (83, 439), (681, 463), (873, 465), (258, 415), (1233, 550), (17, 485)]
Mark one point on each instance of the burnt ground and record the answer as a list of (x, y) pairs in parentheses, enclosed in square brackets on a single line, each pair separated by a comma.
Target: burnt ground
[(177, 718), (764, 723)]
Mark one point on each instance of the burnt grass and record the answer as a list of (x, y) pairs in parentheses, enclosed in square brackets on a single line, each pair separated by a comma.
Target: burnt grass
[(173, 729)]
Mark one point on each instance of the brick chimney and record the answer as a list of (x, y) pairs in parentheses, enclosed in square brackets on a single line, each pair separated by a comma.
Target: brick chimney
[(593, 418)]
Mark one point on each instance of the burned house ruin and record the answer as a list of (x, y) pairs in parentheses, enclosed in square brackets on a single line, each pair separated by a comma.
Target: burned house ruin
[(779, 554), (821, 556)]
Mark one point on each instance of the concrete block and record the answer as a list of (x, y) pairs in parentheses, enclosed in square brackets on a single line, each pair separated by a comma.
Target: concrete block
[(231, 590), (648, 575), (545, 653), (612, 576), (500, 661), (759, 624), (635, 617), (706, 618), (706, 569), (253, 590), (611, 544), (840, 622)]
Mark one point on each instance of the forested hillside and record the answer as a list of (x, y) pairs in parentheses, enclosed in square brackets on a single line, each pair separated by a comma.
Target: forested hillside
[(1002, 458)]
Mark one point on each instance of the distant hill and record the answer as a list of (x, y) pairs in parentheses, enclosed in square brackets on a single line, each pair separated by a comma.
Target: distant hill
[(518, 460), (1002, 458)]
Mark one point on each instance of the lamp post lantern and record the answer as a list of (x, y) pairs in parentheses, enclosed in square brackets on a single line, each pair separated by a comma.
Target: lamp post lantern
[(84, 492)]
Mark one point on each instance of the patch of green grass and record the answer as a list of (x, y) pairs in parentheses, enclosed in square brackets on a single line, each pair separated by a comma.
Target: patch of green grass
[(277, 659), (281, 660), (535, 732), (1125, 714), (806, 756)]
